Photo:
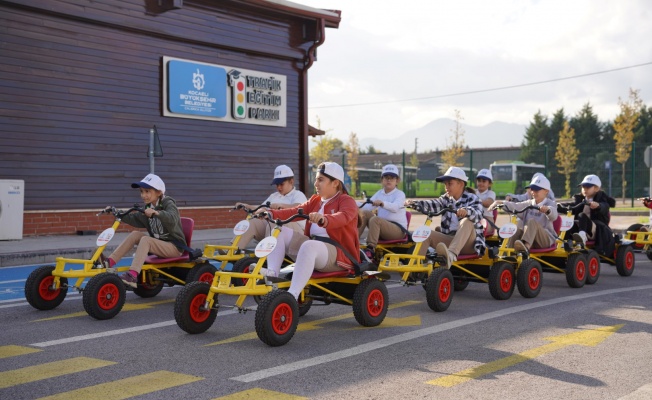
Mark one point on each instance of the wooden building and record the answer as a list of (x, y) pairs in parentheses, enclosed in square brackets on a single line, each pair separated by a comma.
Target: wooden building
[(84, 81)]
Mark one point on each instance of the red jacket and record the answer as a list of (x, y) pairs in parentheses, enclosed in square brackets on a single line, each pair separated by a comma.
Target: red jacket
[(342, 215)]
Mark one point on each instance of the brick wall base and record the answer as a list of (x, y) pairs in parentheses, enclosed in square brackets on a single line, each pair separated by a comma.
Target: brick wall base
[(39, 223)]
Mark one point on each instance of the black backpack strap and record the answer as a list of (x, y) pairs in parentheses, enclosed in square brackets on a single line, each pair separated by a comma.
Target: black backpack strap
[(356, 265), (405, 231)]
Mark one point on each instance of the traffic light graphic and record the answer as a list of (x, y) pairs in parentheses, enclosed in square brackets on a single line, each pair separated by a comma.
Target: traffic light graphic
[(238, 94)]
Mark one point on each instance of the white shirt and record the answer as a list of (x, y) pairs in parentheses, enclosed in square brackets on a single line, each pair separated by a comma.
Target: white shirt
[(393, 208), (294, 196), (487, 194)]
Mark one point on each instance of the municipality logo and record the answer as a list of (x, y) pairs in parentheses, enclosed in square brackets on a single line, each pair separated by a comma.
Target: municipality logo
[(198, 80)]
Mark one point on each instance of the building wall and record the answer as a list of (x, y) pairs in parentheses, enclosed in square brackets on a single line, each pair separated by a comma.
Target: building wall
[(81, 87)]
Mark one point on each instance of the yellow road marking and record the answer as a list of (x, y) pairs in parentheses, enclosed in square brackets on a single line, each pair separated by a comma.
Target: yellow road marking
[(257, 393), (12, 351), (126, 307), (589, 337), (128, 387), (308, 326), (49, 370)]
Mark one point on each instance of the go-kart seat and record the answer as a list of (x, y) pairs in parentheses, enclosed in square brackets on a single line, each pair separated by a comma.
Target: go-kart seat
[(332, 274), (557, 227), (404, 239), (486, 228), (187, 225)]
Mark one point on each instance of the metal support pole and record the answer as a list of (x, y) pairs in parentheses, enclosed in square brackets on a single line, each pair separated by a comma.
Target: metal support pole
[(151, 150)]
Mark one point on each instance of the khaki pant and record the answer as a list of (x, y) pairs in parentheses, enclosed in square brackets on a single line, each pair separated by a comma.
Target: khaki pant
[(146, 245), (463, 242), (260, 229), (533, 234), (379, 228)]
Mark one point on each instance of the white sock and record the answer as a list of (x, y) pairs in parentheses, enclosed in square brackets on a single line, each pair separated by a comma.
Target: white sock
[(311, 254)]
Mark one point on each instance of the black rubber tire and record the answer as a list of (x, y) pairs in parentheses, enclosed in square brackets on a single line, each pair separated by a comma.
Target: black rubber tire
[(104, 296), (576, 270), (648, 253), (370, 302), (203, 272), (625, 262), (147, 290), (304, 306), (37, 290), (187, 305), (529, 278), (501, 280), (635, 227), (277, 318), (439, 289), (243, 265), (592, 267), (460, 284)]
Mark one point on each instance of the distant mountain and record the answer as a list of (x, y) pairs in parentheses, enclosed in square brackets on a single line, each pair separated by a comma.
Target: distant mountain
[(437, 134)]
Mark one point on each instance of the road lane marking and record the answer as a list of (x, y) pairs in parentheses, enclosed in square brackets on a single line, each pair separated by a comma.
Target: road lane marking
[(13, 351), (392, 340), (306, 326), (129, 387), (589, 337), (50, 370), (126, 308), (258, 393), (642, 393)]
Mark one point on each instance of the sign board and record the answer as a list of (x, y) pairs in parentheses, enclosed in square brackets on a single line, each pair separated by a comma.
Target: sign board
[(647, 156), (215, 92)]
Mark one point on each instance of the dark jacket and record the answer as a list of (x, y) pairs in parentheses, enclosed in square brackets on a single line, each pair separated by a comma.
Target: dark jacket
[(165, 226), (599, 214)]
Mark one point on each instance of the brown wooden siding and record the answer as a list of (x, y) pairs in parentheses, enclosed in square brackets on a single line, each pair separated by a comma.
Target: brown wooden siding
[(80, 87)]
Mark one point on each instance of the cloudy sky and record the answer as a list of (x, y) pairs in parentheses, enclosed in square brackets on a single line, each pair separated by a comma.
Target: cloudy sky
[(373, 73)]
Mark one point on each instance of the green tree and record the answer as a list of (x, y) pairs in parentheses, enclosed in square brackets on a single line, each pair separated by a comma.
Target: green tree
[(557, 122), (624, 126), (455, 148), (537, 134), (567, 155)]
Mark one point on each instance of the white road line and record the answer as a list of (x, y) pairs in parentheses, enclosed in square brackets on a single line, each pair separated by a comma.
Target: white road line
[(379, 344), (115, 332), (14, 281)]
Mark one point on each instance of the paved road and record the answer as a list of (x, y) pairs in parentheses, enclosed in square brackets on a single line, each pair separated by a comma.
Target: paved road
[(587, 343)]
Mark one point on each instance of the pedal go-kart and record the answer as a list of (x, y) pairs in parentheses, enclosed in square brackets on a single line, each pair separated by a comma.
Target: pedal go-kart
[(104, 294), (640, 235), (277, 314), (226, 254), (500, 266)]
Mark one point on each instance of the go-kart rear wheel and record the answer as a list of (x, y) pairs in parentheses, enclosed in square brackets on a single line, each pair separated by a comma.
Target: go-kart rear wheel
[(635, 228), (188, 308), (304, 306), (460, 284), (592, 267), (38, 289), (625, 260), (104, 296), (528, 278), (243, 265), (203, 272), (648, 253), (439, 289), (277, 318), (501, 280), (370, 301), (576, 270), (147, 289)]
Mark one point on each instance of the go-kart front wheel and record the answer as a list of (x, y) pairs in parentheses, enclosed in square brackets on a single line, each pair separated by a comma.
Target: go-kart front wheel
[(439, 289), (149, 288), (528, 278), (104, 296), (501, 280), (592, 267), (576, 270), (39, 292), (277, 317), (189, 311), (204, 272), (625, 260), (370, 302), (244, 265)]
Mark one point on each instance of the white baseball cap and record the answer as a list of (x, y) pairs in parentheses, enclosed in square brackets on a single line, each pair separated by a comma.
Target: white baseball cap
[(591, 180), (151, 181), (281, 173), (486, 174), (539, 181), (391, 170), (453, 173)]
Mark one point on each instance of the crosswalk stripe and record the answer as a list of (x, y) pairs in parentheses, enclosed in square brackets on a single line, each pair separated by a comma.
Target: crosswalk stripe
[(50, 370), (257, 393), (128, 387), (12, 351)]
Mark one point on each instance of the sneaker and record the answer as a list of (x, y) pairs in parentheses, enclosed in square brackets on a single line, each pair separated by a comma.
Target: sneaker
[(520, 247), (129, 279), (580, 237), (449, 257), (369, 253)]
